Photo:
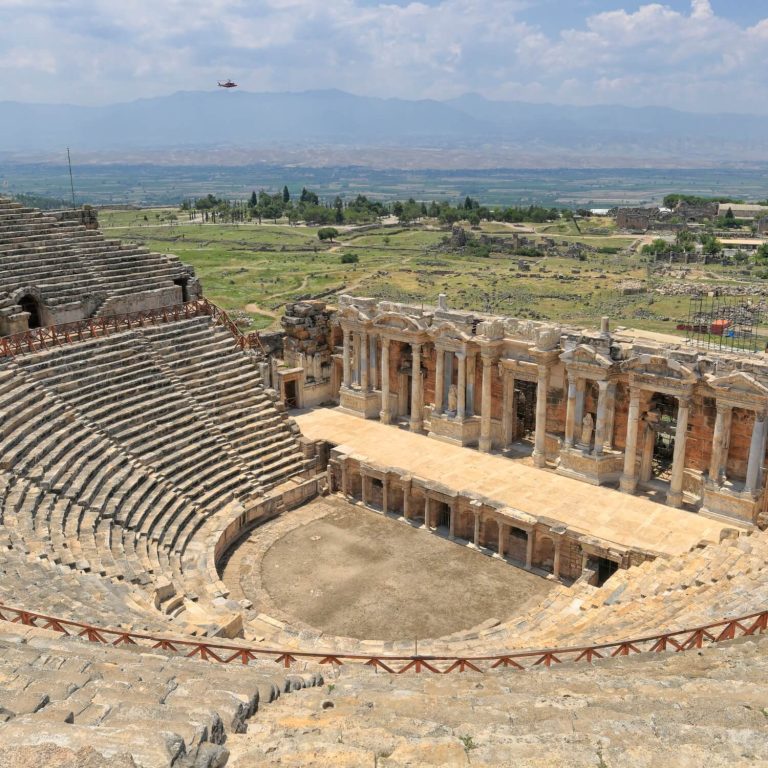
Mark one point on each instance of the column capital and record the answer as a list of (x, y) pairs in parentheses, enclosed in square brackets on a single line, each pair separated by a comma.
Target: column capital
[(385, 340), (723, 408), (635, 392), (683, 401), (602, 384), (461, 354), (488, 361)]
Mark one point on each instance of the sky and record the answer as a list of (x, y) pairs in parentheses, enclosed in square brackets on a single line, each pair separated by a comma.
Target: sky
[(698, 55)]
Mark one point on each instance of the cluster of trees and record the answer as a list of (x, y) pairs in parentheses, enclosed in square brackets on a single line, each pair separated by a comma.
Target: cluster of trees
[(309, 208), (670, 201), (42, 202), (685, 242)]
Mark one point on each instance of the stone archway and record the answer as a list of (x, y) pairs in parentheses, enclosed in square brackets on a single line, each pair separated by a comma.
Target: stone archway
[(32, 305), (183, 283), (545, 553)]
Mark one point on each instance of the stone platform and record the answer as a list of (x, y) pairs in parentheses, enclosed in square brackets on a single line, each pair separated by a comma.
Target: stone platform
[(625, 520)]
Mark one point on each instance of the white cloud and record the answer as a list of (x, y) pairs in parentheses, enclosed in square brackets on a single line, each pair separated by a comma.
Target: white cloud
[(93, 51)]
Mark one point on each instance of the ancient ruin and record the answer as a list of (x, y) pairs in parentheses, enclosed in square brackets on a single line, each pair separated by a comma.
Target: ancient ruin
[(637, 411), (154, 462), (58, 268)]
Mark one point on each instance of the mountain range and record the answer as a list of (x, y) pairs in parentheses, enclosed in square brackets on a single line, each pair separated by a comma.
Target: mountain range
[(332, 118)]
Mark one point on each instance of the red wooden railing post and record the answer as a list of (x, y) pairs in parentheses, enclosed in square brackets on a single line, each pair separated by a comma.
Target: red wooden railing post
[(698, 637)]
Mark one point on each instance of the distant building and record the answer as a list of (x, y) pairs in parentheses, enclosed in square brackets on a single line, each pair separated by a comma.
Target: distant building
[(742, 243), (636, 218), (697, 212), (744, 211)]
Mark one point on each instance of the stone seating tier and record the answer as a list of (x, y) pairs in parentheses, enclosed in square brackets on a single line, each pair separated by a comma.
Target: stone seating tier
[(111, 466), (161, 711), (704, 586), (69, 264), (686, 709)]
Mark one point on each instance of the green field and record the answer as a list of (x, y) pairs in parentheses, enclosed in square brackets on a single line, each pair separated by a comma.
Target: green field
[(149, 183), (253, 270)]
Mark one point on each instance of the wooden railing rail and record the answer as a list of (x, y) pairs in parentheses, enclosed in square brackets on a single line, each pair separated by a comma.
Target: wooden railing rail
[(52, 336), (676, 641)]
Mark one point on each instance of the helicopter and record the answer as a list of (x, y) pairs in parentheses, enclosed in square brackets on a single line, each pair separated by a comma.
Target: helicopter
[(227, 84)]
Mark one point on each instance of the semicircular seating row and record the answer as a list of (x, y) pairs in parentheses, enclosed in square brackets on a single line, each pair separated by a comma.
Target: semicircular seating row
[(65, 261), (117, 455)]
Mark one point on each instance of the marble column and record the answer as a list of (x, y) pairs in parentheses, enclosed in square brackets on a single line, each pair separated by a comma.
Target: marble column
[(675, 495), (503, 528), (756, 456), (602, 417), (372, 357), (581, 385), (356, 371), (417, 391), (508, 410), (364, 489), (344, 478), (385, 495), (485, 407), (646, 453), (452, 521), (461, 394), (570, 413), (385, 415), (556, 560), (347, 358), (610, 415), (720, 441), (628, 482), (407, 500), (427, 511), (529, 549), (365, 368), (437, 409), (540, 438), (476, 532), (471, 366)]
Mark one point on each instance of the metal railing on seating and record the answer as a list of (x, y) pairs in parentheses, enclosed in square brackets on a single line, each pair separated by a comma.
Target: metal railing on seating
[(675, 641), (37, 339)]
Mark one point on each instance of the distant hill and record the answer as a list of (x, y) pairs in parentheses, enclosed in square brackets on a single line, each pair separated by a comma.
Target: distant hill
[(333, 118)]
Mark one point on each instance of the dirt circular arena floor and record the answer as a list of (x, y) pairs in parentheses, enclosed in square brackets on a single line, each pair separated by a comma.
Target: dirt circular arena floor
[(348, 571)]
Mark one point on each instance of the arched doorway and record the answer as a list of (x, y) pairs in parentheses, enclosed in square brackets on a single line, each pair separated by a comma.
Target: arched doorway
[(525, 409), (546, 553), (29, 303), (183, 283)]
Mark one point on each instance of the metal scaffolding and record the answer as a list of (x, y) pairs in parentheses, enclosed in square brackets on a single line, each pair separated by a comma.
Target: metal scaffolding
[(723, 322)]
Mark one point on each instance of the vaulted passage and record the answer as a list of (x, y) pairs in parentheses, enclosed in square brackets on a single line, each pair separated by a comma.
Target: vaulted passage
[(30, 304)]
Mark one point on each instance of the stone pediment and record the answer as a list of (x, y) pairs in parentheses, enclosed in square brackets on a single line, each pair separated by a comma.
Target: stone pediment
[(584, 355), (397, 322), (738, 385), (446, 330), (658, 366), (354, 314)]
